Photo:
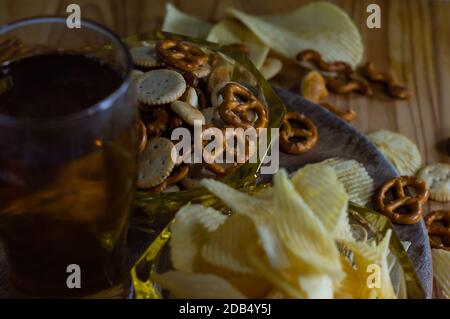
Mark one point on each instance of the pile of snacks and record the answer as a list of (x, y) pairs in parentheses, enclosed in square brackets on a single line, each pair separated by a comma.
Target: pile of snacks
[(292, 240), (178, 85)]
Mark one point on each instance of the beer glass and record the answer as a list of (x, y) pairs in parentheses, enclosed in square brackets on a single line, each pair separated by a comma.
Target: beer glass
[(67, 176)]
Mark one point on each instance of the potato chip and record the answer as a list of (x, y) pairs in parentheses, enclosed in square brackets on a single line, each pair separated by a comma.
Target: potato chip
[(185, 285), (399, 150), (190, 229), (441, 270), (279, 279), (257, 209), (301, 231), (356, 180), (179, 22), (319, 186), (226, 247), (320, 26), (230, 32)]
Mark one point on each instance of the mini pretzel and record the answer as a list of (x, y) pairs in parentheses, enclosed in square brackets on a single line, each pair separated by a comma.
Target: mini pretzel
[(348, 116), (181, 54), (239, 47), (142, 136), (393, 88), (413, 202), (238, 100), (339, 86), (307, 136), (438, 226), (179, 173), (159, 121), (310, 55)]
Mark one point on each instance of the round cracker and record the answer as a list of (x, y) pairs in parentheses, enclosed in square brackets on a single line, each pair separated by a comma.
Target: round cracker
[(437, 177), (161, 86), (145, 56), (155, 163), (187, 112), (399, 150)]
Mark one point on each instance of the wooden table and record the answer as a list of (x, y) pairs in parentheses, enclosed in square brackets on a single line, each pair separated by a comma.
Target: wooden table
[(412, 43)]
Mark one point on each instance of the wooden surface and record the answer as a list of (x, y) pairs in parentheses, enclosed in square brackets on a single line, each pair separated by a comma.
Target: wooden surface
[(413, 43)]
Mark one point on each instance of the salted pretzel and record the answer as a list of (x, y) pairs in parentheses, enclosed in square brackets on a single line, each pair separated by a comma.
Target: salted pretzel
[(297, 140), (179, 172), (348, 116), (181, 54), (438, 226), (413, 202), (224, 151), (392, 87), (142, 136), (313, 56), (237, 102), (159, 120)]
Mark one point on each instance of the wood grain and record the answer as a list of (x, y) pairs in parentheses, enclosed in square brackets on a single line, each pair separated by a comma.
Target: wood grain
[(412, 43)]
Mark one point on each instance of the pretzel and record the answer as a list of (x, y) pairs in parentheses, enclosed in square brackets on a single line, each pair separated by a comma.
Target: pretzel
[(238, 100), (310, 55), (307, 136), (142, 134), (392, 87), (354, 83), (181, 54), (438, 226), (413, 202), (159, 121), (179, 172), (348, 116)]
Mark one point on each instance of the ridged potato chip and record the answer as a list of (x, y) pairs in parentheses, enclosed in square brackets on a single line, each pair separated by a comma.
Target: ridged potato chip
[(278, 278), (231, 31), (441, 270), (320, 26), (190, 229), (356, 180), (399, 150), (226, 247), (179, 22), (319, 186), (186, 285)]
